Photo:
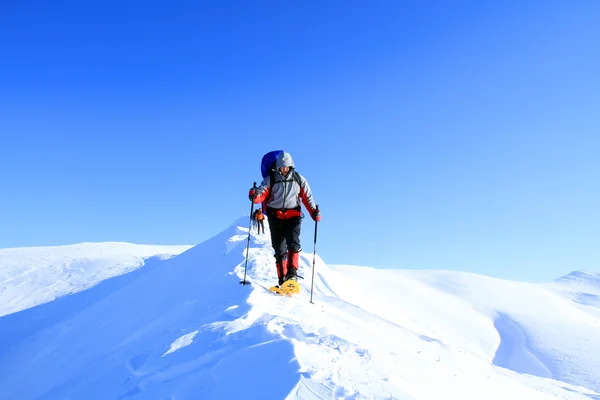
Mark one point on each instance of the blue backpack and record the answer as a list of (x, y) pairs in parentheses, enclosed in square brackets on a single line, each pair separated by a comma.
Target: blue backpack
[(268, 166), (268, 162)]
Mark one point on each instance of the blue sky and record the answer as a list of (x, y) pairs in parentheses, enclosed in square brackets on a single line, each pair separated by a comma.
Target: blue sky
[(438, 135)]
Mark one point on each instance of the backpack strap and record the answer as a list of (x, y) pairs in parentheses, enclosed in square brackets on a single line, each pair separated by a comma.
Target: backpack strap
[(295, 177)]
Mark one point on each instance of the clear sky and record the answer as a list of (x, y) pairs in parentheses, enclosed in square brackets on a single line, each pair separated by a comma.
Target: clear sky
[(458, 135)]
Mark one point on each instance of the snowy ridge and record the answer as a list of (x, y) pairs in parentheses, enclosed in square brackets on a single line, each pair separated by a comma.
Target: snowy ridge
[(183, 328)]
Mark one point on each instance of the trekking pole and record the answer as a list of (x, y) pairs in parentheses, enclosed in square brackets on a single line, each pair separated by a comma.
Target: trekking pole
[(244, 282), (312, 282)]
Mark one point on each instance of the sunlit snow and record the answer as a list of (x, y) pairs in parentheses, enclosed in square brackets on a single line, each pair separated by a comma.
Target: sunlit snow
[(184, 328)]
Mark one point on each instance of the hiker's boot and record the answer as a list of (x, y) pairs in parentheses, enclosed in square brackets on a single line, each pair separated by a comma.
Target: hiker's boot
[(292, 270), (281, 265)]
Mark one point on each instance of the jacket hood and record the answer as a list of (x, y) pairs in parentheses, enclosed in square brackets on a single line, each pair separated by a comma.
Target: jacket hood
[(284, 159)]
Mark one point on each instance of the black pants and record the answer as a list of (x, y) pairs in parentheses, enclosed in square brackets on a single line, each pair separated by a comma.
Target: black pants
[(285, 235), (261, 225)]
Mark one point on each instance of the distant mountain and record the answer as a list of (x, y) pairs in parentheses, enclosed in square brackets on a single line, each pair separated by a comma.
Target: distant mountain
[(589, 279), (582, 287)]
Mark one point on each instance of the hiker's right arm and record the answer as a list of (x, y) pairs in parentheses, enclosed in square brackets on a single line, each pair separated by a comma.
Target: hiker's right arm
[(261, 192)]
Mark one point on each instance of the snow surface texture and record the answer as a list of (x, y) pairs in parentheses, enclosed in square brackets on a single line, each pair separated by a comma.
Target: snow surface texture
[(183, 328)]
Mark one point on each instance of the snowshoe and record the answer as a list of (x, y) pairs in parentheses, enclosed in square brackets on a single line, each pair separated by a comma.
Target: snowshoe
[(291, 286), (288, 288), (276, 289)]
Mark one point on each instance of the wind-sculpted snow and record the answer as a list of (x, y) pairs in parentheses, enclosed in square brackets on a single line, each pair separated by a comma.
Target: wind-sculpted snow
[(542, 331), (514, 351), (184, 328)]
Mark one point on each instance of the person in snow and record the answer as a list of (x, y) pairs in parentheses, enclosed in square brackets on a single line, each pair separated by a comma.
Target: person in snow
[(282, 197), (253, 218), (260, 217)]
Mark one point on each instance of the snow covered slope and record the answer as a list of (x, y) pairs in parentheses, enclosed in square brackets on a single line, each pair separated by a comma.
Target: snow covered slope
[(35, 275), (183, 328)]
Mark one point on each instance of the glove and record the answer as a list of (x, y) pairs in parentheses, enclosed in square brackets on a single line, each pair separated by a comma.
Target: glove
[(316, 215), (252, 194)]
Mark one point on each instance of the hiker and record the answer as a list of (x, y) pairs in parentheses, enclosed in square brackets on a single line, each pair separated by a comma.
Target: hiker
[(282, 190), (253, 218), (260, 220)]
